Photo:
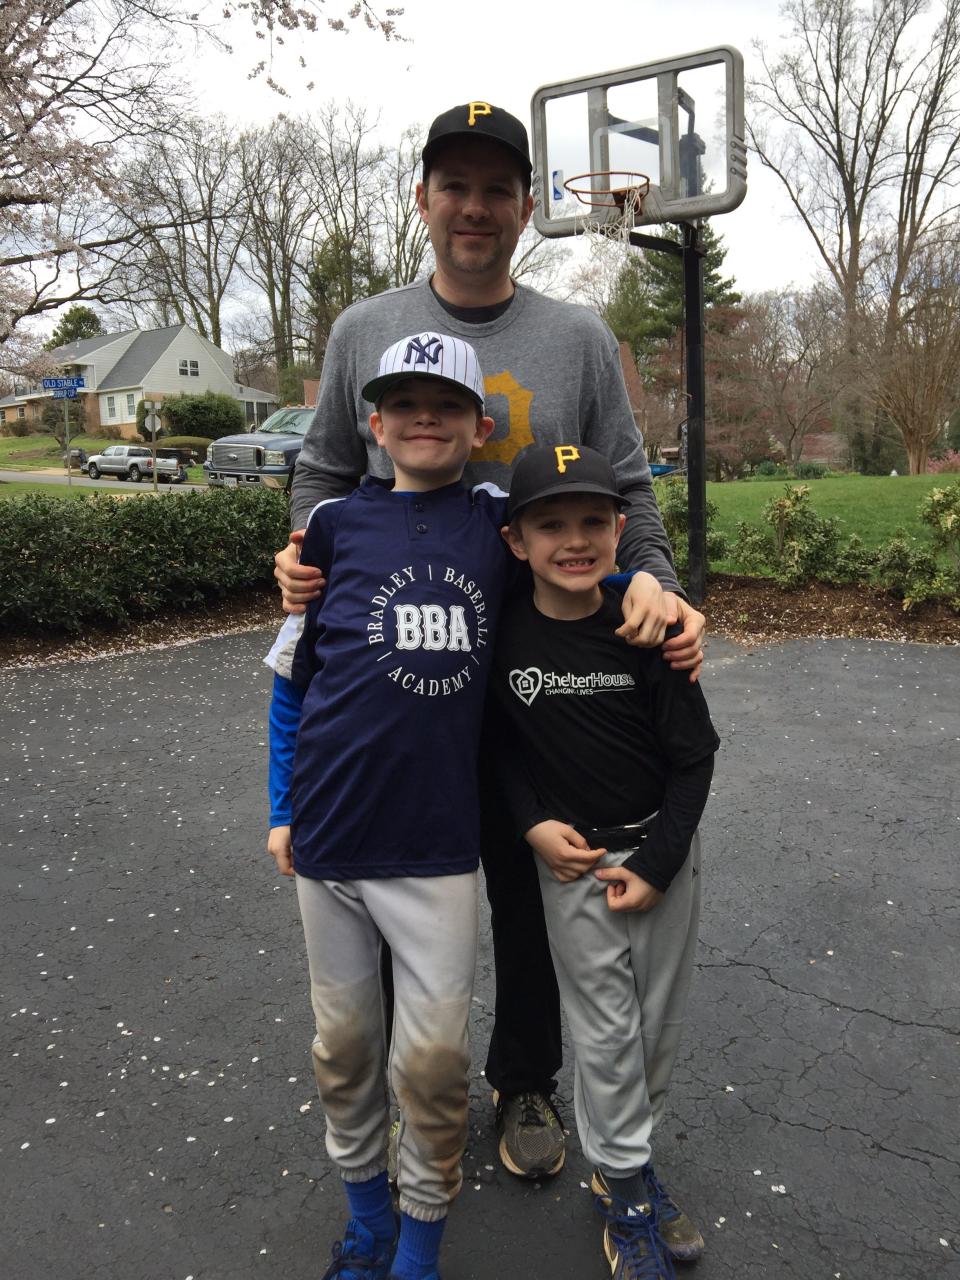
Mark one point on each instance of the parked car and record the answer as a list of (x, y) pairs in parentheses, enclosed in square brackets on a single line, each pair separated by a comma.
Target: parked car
[(134, 462), (265, 456)]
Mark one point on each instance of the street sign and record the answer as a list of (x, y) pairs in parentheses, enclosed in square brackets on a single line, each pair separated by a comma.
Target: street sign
[(65, 393), (58, 384)]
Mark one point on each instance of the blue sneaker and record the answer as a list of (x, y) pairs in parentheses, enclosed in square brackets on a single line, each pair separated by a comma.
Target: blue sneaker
[(358, 1256), (632, 1243), (677, 1231)]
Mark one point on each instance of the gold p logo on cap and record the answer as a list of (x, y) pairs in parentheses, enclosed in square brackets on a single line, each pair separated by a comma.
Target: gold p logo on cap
[(478, 109), (566, 453)]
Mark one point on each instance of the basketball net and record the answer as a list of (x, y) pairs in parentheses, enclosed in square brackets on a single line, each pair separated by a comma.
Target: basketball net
[(618, 193)]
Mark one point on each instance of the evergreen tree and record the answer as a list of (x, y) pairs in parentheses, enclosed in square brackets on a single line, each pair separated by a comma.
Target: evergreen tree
[(646, 307), (76, 322)]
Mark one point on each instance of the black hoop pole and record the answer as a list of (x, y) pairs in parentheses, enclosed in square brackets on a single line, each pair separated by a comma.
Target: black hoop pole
[(696, 414)]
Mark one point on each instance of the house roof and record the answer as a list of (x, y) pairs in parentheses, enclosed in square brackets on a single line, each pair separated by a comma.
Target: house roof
[(76, 352), (139, 358), (133, 365)]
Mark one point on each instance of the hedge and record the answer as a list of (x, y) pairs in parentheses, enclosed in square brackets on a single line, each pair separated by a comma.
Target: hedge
[(107, 559)]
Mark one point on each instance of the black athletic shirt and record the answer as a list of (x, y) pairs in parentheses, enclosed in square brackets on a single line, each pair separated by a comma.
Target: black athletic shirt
[(595, 732)]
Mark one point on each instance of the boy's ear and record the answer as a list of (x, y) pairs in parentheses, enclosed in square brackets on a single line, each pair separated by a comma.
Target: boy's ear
[(376, 426), (621, 521), (514, 540), (484, 427)]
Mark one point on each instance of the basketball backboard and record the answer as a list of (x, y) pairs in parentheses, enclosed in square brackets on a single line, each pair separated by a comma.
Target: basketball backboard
[(677, 122)]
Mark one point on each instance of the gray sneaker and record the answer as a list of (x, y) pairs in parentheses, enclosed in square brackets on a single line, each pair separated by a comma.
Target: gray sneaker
[(678, 1232), (531, 1135)]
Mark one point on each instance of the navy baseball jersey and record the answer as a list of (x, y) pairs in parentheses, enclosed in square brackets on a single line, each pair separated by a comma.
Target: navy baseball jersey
[(396, 655)]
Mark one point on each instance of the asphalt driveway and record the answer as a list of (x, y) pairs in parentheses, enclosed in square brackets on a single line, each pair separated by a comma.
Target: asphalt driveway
[(159, 1118)]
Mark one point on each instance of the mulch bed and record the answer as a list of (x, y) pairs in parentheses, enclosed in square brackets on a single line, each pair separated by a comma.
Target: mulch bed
[(748, 610)]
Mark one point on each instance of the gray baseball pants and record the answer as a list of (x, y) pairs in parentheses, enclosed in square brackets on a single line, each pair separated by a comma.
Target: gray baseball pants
[(624, 979), (430, 925)]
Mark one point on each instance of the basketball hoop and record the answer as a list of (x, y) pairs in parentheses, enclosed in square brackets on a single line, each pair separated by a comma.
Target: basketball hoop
[(623, 191)]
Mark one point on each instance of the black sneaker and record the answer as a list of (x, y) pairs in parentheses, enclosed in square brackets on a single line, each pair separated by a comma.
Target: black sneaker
[(531, 1135), (631, 1242), (678, 1232)]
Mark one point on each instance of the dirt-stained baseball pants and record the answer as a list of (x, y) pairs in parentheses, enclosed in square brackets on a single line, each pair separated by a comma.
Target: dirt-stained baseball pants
[(430, 925), (624, 979)]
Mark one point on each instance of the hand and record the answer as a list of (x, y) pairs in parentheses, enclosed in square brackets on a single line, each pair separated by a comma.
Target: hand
[(626, 891), (685, 651), (300, 583), (280, 848), (564, 850), (647, 611)]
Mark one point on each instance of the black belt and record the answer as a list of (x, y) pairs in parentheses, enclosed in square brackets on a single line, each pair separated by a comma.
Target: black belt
[(616, 839)]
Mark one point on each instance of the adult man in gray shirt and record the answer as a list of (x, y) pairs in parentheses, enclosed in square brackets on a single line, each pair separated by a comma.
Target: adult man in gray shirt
[(552, 375)]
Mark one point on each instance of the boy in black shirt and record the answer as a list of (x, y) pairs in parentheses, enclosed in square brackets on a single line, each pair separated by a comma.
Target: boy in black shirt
[(608, 772)]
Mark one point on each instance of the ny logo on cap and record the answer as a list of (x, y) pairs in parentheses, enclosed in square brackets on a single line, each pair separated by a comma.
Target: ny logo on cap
[(425, 350), (566, 453), (478, 109)]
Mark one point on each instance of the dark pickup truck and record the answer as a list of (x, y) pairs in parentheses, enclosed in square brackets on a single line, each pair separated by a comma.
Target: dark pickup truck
[(265, 456)]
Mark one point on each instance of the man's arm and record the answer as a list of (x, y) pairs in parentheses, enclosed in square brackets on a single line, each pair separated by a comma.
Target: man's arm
[(611, 429)]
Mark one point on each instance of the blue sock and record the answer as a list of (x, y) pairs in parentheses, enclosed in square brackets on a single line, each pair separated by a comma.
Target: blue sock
[(370, 1203), (419, 1248)]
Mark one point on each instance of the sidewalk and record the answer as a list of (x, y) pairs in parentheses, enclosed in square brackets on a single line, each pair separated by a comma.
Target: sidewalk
[(160, 1120)]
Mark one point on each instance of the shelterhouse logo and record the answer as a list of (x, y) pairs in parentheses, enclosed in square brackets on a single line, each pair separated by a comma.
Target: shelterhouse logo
[(527, 683)]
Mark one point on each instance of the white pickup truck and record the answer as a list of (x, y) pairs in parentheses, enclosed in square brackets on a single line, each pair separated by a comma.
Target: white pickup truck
[(134, 462)]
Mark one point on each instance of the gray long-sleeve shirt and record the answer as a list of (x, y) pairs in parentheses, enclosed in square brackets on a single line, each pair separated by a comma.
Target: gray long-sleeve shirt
[(552, 375)]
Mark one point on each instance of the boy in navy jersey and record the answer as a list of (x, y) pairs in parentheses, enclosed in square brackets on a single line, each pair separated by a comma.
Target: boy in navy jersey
[(607, 760), (376, 809)]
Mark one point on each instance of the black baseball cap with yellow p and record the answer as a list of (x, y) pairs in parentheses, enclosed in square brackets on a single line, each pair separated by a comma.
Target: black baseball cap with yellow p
[(546, 470), (483, 120)]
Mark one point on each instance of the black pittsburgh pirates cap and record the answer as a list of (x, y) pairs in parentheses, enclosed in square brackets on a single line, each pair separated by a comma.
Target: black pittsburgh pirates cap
[(546, 470), (480, 119)]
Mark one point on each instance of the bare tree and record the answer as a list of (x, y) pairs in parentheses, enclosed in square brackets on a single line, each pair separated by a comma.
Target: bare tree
[(789, 341), (406, 239), (189, 183), (281, 216), (82, 82), (915, 375), (859, 118)]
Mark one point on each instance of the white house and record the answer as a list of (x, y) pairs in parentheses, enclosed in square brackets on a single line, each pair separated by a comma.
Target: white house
[(121, 369)]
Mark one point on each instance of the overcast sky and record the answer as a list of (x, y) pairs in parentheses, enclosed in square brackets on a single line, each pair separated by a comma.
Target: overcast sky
[(500, 51)]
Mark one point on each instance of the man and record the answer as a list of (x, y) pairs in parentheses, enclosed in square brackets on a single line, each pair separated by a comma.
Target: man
[(553, 376)]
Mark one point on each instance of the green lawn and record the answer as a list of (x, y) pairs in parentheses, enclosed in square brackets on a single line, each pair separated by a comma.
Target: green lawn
[(871, 506), (38, 452), (14, 488), (34, 453)]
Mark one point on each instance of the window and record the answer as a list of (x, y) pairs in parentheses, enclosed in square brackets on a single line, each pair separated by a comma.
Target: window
[(194, 368), (131, 404), (3, 415), (111, 406), (184, 370), (21, 411)]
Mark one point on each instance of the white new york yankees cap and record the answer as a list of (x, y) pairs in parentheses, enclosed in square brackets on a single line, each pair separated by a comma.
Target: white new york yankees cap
[(430, 355)]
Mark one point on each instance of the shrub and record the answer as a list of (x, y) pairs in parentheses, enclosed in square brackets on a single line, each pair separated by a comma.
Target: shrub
[(104, 560), (17, 427), (801, 545), (810, 470), (210, 415), (907, 570), (950, 463), (672, 497)]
